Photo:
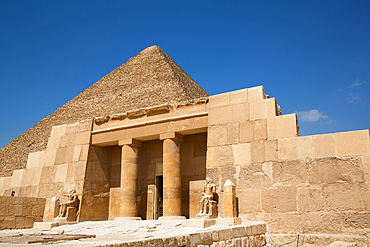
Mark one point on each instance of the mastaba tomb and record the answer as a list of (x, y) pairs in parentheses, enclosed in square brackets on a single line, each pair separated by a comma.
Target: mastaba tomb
[(141, 141)]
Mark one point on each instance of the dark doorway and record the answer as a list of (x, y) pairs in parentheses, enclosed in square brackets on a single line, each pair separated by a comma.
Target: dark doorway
[(158, 197)]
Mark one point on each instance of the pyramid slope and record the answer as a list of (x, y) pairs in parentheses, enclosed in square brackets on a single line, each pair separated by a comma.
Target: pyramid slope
[(150, 78)]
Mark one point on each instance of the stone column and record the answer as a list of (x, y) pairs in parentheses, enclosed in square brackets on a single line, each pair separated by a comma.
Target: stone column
[(129, 177), (172, 205)]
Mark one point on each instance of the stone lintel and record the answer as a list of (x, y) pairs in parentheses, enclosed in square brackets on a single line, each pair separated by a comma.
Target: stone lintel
[(171, 135), (129, 141)]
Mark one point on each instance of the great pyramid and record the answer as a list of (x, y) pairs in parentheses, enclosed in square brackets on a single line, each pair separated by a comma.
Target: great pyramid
[(150, 78)]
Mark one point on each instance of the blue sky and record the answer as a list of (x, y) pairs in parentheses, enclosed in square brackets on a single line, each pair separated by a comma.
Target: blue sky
[(313, 56)]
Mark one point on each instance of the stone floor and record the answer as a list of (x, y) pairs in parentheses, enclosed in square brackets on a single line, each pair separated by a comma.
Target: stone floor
[(109, 233)]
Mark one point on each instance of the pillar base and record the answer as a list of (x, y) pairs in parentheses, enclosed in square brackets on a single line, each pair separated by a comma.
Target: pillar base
[(127, 218), (172, 218)]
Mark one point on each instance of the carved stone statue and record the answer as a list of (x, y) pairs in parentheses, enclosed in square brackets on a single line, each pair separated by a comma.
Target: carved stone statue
[(207, 205), (73, 202)]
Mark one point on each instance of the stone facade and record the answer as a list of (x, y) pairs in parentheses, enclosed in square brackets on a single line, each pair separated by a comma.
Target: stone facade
[(153, 161), (20, 212)]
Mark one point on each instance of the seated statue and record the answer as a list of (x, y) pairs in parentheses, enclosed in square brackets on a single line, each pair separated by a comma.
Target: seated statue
[(73, 201), (207, 205)]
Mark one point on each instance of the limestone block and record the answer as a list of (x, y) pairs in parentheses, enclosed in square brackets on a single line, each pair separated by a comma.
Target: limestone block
[(1, 183), (7, 182), (225, 234), (256, 93), (72, 128), (247, 131), (19, 222), (47, 175), (84, 152), (195, 195), (188, 125), (38, 209), (69, 154), (356, 220), (271, 150), (28, 222), (242, 153), (219, 100), (283, 126), (58, 130), (61, 173), (44, 226), (220, 115), (239, 96), (295, 148), (194, 239), (49, 157), (83, 138), (51, 209), (27, 177), (352, 143), (289, 172), (217, 135), (60, 157), (342, 197), (321, 222), (220, 156), (249, 201), (240, 112), (335, 170), (323, 145), (16, 178), (35, 176), (180, 111), (258, 152), (254, 176), (366, 166), (238, 231), (229, 196), (310, 200), (33, 159), (284, 223), (67, 140), (262, 109), (85, 125), (232, 133), (260, 129), (53, 142), (150, 202), (280, 199), (76, 153)]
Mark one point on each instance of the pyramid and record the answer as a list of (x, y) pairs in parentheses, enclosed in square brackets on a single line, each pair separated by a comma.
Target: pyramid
[(150, 78)]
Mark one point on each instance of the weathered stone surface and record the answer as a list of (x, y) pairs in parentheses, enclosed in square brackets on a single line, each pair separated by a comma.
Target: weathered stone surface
[(281, 199)]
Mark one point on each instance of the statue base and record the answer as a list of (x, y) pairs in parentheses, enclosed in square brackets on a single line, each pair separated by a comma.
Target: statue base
[(127, 218), (229, 221), (199, 223), (44, 226), (172, 218)]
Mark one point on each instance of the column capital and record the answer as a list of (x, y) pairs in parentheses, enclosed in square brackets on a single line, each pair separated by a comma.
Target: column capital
[(170, 135), (129, 141)]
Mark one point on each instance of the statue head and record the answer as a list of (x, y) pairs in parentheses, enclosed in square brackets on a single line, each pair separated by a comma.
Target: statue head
[(71, 191), (208, 180)]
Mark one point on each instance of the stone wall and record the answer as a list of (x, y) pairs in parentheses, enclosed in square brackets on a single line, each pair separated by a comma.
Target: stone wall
[(241, 235), (20, 212), (314, 183), (50, 173)]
